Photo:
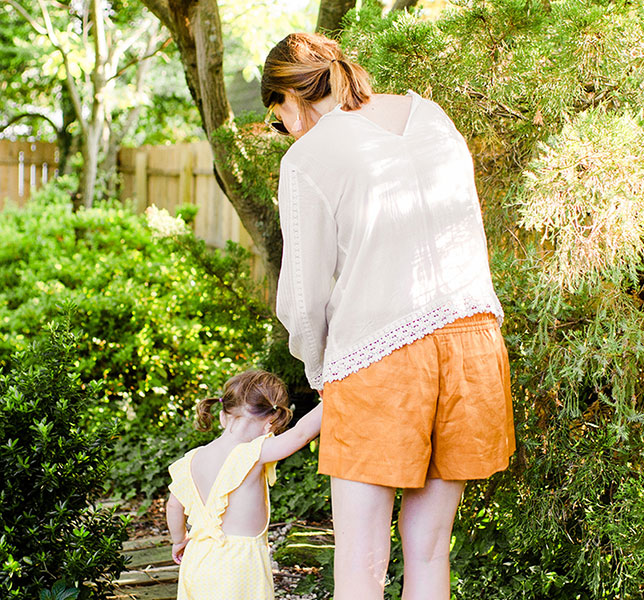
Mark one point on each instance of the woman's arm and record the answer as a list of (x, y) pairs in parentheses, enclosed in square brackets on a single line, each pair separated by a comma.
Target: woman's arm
[(285, 444), (177, 526), (308, 266)]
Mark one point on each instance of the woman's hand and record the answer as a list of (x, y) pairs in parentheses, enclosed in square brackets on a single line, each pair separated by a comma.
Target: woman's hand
[(178, 548)]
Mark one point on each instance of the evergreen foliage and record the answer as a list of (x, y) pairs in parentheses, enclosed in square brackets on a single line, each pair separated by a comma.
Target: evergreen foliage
[(53, 470)]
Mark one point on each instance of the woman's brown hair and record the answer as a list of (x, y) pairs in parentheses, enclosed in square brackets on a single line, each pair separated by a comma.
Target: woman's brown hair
[(260, 393), (311, 66)]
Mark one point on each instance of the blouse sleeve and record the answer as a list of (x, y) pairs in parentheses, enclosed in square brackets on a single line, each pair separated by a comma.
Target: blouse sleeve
[(308, 267)]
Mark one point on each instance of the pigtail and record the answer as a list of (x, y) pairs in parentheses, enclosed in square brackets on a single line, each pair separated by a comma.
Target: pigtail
[(204, 413), (283, 416)]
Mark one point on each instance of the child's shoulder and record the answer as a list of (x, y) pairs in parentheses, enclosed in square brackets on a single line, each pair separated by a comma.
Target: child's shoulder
[(185, 458)]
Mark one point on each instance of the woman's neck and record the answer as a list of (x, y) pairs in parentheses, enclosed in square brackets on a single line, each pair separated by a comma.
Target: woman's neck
[(326, 105)]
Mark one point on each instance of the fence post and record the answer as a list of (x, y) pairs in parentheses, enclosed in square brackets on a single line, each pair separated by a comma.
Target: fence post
[(141, 181), (185, 177)]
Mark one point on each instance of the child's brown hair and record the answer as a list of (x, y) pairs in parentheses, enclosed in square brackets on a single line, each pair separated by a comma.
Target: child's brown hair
[(260, 393), (311, 66)]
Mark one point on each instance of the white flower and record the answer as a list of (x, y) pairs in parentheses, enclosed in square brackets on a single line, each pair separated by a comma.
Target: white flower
[(164, 225)]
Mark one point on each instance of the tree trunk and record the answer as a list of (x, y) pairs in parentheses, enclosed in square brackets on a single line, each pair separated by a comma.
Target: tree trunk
[(93, 128), (87, 183), (196, 28), (330, 15)]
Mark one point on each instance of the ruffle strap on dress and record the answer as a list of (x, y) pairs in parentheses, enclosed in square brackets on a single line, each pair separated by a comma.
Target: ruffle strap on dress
[(181, 486)]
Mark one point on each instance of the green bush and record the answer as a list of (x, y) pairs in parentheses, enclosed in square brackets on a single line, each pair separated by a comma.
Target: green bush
[(157, 328), (53, 471), (162, 321), (299, 492)]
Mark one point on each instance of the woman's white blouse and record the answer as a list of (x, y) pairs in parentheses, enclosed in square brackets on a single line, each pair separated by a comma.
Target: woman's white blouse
[(383, 239)]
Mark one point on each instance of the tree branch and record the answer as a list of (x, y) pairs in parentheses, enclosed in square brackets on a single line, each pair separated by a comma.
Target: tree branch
[(30, 115), (36, 26), (48, 25), (141, 59), (118, 49), (161, 9), (505, 111)]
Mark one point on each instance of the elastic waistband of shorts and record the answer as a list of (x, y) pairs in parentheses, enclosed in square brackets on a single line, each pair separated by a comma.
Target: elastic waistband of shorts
[(477, 322)]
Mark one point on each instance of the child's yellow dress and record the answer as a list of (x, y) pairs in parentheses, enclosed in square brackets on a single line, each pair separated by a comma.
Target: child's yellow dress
[(216, 566)]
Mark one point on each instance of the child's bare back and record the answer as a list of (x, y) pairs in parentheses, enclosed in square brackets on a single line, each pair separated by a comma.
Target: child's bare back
[(246, 513)]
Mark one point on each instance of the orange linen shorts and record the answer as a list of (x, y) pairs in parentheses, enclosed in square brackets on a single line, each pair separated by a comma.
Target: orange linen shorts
[(439, 407)]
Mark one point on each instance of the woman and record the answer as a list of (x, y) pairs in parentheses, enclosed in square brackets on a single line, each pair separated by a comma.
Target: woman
[(385, 290)]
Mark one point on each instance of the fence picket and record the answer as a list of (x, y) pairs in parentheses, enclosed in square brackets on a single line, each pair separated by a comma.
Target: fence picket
[(24, 166)]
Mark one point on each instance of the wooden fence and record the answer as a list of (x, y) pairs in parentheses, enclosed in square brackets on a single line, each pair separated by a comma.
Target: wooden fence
[(169, 176), (24, 167)]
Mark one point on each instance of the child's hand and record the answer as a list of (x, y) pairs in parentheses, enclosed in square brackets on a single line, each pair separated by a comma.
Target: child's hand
[(177, 550)]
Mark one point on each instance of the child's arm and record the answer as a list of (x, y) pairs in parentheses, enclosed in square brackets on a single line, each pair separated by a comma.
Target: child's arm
[(177, 526), (285, 444)]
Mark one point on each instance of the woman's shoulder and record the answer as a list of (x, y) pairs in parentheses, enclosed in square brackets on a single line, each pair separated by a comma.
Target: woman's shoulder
[(430, 109)]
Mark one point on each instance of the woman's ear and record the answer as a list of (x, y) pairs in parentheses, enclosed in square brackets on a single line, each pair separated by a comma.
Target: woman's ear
[(223, 418), (268, 426)]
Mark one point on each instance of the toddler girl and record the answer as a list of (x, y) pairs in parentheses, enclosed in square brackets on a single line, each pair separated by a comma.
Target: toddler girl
[(223, 489)]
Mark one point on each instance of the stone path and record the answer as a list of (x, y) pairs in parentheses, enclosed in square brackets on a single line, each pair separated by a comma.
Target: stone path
[(152, 575)]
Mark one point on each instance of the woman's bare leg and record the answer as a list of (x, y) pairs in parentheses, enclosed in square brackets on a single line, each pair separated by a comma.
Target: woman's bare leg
[(362, 526), (426, 519)]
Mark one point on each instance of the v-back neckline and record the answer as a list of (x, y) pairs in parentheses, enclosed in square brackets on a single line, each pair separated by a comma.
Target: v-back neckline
[(412, 108), (205, 502)]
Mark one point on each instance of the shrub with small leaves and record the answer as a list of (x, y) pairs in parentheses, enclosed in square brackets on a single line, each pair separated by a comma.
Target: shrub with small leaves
[(53, 470)]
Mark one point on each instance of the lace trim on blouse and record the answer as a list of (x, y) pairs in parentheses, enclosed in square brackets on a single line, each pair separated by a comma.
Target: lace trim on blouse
[(403, 333)]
